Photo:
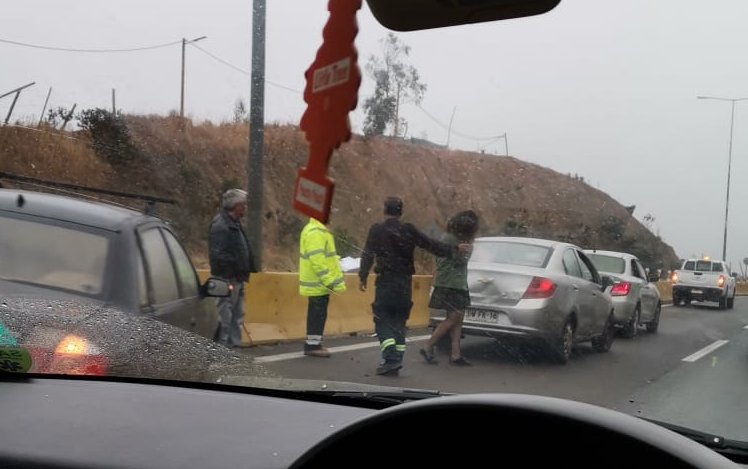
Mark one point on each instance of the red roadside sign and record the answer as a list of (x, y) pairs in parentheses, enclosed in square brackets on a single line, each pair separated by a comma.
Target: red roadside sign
[(331, 92)]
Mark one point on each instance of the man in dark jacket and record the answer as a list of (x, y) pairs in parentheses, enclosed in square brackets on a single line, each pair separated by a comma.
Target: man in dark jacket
[(392, 243), (231, 258)]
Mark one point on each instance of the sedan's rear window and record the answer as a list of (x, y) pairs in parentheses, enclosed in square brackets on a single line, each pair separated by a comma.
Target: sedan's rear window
[(504, 252), (52, 256), (610, 264)]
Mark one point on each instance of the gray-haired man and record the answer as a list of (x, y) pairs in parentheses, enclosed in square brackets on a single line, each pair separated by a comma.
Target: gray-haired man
[(231, 258)]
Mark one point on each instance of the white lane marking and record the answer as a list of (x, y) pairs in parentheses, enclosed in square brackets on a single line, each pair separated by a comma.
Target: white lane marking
[(746, 326), (705, 351), (342, 348), (667, 305)]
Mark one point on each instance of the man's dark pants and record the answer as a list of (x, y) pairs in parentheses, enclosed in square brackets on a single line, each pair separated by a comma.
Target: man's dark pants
[(316, 317), (392, 305)]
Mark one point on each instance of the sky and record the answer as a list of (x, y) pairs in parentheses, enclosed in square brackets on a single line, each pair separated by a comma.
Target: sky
[(605, 89)]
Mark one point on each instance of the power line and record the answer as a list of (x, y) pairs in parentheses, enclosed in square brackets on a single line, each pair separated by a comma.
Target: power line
[(67, 49), (242, 71), (459, 134)]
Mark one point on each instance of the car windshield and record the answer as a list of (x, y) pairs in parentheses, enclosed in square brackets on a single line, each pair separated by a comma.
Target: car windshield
[(255, 193), (52, 256), (510, 253), (610, 264)]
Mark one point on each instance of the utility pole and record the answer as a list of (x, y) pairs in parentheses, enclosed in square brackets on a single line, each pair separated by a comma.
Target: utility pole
[(17, 92), (449, 131), (44, 109), (68, 117), (256, 131), (184, 47), (729, 164), (114, 103)]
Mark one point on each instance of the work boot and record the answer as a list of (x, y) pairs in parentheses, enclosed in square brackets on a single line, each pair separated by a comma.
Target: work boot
[(389, 368), (317, 352)]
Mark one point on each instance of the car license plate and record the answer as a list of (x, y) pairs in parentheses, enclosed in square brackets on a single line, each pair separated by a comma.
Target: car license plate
[(486, 317), (697, 292)]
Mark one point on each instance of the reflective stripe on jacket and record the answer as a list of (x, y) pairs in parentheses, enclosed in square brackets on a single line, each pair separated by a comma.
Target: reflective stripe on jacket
[(319, 264)]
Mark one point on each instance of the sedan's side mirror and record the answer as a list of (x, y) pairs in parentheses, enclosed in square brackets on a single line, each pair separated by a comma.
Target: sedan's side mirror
[(607, 282), (216, 287)]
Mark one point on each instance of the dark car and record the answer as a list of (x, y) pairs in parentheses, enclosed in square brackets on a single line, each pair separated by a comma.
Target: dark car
[(80, 337), (62, 246)]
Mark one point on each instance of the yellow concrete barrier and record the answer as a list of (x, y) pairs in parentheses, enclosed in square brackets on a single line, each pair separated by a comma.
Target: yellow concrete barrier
[(274, 311), (665, 287)]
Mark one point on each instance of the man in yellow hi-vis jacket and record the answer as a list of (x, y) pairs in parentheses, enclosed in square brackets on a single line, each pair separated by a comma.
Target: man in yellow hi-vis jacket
[(319, 275)]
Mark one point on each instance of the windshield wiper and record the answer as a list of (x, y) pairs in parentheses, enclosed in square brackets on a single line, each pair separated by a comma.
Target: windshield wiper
[(735, 450), (387, 397)]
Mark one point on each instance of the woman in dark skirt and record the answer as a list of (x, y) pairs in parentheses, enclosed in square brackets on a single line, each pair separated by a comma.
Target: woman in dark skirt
[(451, 289)]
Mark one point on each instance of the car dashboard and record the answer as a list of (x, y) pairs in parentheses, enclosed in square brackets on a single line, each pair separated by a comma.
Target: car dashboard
[(66, 422)]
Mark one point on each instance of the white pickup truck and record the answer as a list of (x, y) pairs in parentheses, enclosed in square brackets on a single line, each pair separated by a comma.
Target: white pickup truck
[(704, 280)]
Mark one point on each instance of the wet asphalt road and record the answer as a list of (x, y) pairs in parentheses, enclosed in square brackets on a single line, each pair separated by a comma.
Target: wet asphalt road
[(694, 371)]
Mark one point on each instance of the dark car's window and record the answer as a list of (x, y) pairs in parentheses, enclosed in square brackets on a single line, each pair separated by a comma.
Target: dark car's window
[(142, 285), (185, 270), (571, 265), (588, 271), (162, 276), (503, 252), (603, 263), (51, 256)]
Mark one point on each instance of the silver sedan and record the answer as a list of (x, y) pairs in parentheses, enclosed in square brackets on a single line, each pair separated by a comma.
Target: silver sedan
[(537, 290), (636, 300)]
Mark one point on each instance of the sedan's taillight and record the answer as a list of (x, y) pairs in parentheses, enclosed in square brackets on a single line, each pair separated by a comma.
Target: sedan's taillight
[(621, 289), (539, 288)]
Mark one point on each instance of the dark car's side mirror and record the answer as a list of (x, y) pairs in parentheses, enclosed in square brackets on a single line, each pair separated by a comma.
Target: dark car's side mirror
[(216, 287)]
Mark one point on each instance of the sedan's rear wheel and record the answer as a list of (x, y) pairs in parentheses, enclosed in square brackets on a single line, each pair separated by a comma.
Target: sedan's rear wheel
[(604, 341), (654, 324), (563, 345)]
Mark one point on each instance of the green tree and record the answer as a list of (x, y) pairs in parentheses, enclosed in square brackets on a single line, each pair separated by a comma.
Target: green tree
[(110, 137), (395, 82)]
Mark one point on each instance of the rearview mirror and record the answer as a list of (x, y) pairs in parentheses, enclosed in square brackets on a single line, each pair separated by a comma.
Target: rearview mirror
[(734, 275), (216, 287), (607, 282), (413, 15)]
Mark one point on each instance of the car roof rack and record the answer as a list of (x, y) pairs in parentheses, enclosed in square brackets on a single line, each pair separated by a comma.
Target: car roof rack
[(150, 200)]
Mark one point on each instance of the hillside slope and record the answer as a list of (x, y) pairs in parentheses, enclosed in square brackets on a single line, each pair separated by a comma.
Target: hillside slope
[(195, 164)]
